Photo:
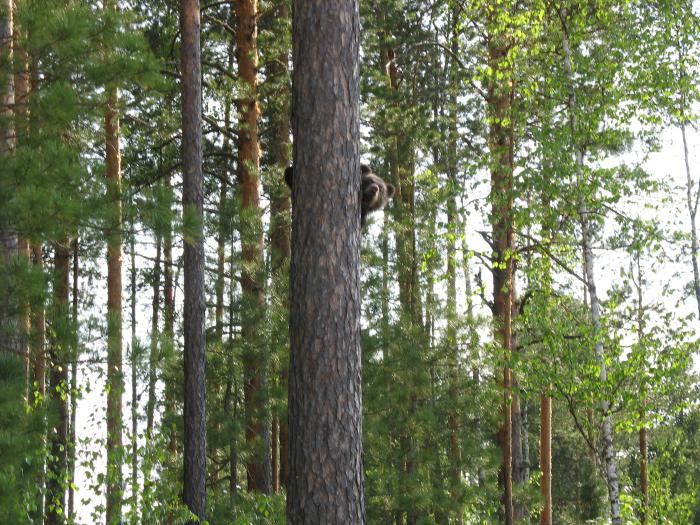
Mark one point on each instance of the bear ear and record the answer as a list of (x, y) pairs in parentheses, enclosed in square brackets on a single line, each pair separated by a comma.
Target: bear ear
[(390, 190), (289, 176), (365, 169)]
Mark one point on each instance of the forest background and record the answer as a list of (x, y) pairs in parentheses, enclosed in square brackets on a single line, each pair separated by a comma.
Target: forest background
[(530, 297)]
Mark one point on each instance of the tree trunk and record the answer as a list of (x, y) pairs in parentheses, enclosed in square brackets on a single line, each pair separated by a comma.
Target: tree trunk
[(155, 335), (58, 437), (280, 206), (610, 467), (546, 458), (692, 203), (9, 340), (499, 100), (195, 466), (134, 389), (115, 378), (257, 425), (326, 476), (74, 389)]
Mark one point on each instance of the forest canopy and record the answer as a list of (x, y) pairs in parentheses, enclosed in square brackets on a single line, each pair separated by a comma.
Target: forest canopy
[(513, 338)]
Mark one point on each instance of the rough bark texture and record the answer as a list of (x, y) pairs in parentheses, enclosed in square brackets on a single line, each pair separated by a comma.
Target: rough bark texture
[(608, 452), (195, 467), (257, 427), (501, 149), (58, 435), (325, 400), (115, 378)]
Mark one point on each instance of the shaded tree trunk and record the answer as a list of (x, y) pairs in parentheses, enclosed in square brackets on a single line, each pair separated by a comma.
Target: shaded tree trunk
[(257, 425), (134, 388), (500, 142), (60, 348), (326, 476), (74, 389), (195, 465), (115, 378), (280, 207)]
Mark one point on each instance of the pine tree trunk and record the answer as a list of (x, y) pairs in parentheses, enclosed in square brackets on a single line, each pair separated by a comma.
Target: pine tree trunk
[(115, 378), (280, 206), (60, 348), (155, 335), (610, 467), (195, 466), (326, 476), (134, 388), (257, 425), (38, 353), (500, 143), (74, 388)]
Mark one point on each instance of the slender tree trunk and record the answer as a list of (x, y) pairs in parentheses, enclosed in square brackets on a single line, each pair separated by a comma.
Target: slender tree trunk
[(326, 476), (60, 349), (155, 335), (499, 100), (643, 432), (115, 378), (38, 351), (610, 467), (546, 458), (195, 464), (168, 340), (692, 203), (257, 425), (231, 395), (74, 389), (280, 206), (9, 320), (134, 388)]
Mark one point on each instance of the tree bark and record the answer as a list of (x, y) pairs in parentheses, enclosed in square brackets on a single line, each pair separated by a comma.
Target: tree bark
[(155, 335), (280, 232), (499, 100), (9, 320), (134, 389), (195, 467), (74, 389), (546, 458), (257, 425), (58, 438), (115, 378), (325, 400)]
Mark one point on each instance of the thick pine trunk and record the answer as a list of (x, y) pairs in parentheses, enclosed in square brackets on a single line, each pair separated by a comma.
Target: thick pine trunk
[(115, 378), (325, 400), (195, 431)]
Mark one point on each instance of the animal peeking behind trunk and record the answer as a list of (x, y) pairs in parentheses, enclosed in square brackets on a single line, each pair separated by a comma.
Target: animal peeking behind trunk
[(374, 192)]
